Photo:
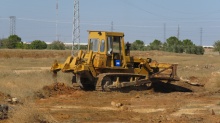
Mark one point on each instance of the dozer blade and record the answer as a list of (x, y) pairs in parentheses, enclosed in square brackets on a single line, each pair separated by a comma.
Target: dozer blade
[(68, 65), (166, 73), (56, 67)]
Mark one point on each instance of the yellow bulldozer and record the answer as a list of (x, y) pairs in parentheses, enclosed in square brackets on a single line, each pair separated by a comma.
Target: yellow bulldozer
[(108, 65)]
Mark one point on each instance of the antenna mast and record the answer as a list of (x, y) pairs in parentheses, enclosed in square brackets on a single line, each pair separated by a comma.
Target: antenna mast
[(76, 28), (57, 37), (201, 31), (178, 32), (112, 26), (164, 32)]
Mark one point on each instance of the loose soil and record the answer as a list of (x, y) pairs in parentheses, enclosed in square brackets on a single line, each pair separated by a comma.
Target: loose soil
[(169, 103), (163, 103)]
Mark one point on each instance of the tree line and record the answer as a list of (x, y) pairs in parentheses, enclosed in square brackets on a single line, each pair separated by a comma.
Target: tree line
[(172, 44), (15, 42)]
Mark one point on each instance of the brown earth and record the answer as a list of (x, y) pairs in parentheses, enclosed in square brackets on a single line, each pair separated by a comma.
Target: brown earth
[(163, 103)]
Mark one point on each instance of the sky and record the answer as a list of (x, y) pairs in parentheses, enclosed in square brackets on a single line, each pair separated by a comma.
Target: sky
[(146, 20)]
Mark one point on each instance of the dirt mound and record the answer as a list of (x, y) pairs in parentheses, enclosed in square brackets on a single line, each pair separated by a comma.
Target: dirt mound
[(54, 90)]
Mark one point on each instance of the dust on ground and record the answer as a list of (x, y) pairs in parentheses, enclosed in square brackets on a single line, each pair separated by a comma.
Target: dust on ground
[(164, 102), (169, 103)]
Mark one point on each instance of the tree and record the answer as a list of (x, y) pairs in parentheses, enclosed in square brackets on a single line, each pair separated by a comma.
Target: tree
[(137, 45), (38, 44), (199, 50), (173, 44), (155, 45), (189, 47), (57, 45), (83, 47), (193, 49), (13, 41), (217, 46), (26, 46), (3, 43), (172, 40), (187, 42)]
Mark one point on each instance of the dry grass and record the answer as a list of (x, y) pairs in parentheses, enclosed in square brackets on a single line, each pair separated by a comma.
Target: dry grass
[(18, 53), (196, 66), (21, 76), (213, 84), (28, 113), (188, 64), (22, 85), (23, 72)]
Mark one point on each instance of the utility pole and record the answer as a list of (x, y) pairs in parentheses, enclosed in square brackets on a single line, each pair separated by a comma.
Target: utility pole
[(112, 26), (76, 28), (178, 32), (12, 25), (57, 37), (164, 32), (201, 32)]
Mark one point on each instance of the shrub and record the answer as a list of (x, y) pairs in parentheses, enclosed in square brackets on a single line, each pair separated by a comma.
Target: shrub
[(199, 50), (137, 45), (38, 44), (57, 45)]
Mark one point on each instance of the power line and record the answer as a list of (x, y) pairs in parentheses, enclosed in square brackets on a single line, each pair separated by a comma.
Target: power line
[(142, 9), (91, 23), (162, 16)]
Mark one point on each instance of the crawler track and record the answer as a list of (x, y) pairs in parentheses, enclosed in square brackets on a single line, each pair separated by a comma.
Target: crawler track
[(111, 81)]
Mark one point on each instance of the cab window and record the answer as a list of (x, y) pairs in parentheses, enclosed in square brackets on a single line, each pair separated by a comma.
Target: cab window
[(102, 46), (93, 45), (116, 44), (109, 40)]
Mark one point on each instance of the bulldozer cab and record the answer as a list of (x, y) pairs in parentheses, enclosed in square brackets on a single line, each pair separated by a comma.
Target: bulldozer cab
[(108, 48)]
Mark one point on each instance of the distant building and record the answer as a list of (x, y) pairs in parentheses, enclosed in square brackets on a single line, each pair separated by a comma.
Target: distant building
[(70, 44), (208, 47)]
